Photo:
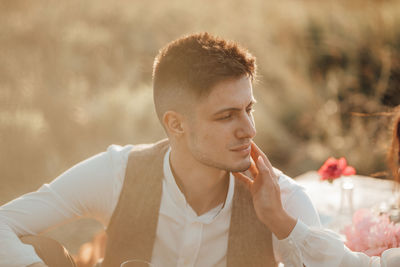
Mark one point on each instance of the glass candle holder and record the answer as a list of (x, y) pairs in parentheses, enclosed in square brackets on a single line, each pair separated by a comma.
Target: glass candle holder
[(346, 196)]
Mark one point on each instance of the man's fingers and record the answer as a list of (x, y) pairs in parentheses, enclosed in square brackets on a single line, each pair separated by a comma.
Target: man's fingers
[(243, 178), (253, 169), (265, 170), (256, 152), (268, 163)]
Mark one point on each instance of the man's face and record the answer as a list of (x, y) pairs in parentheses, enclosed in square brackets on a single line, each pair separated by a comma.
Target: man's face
[(222, 126)]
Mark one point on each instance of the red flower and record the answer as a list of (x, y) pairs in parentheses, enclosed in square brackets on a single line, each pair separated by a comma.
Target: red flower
[(334, 168)]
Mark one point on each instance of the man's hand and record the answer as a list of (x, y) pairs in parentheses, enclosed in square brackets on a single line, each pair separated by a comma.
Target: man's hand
[(38, 264), (262, 182)]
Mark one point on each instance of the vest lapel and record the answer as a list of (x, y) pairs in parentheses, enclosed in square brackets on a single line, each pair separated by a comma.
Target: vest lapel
[(250, 241), (133, 225), (132, 229)]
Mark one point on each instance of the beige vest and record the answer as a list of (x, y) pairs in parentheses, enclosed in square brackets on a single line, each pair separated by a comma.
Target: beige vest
[(132, 229)]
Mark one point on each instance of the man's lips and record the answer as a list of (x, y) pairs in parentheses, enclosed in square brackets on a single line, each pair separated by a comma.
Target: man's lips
[(242, 148)]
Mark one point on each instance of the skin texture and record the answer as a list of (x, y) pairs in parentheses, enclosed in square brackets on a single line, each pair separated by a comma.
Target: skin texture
[(210, 141), (222, 124), (216, 139)]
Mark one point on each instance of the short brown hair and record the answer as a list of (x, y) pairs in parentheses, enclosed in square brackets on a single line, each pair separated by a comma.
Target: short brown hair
[(193, 64)]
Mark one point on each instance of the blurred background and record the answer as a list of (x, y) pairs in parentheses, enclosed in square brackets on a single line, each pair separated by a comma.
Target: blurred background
[(75, 77)]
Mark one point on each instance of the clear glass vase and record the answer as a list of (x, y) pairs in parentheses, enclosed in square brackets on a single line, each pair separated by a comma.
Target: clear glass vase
[(346, 206)]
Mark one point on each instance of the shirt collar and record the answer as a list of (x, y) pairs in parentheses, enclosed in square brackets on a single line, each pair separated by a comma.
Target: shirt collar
[(180, 201)]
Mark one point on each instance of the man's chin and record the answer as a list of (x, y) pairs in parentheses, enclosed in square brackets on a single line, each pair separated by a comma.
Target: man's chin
[(242, 168)]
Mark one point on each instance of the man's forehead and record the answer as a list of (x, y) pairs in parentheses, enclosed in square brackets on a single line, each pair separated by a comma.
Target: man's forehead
[(231, 92)]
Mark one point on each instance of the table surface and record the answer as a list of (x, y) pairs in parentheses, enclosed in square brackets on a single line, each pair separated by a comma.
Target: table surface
[(367, 193)]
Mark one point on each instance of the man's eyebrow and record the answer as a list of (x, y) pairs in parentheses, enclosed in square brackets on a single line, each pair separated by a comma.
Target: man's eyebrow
[(252, 103)]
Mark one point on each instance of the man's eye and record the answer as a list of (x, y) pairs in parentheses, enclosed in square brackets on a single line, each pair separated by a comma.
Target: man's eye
[(225, 117)]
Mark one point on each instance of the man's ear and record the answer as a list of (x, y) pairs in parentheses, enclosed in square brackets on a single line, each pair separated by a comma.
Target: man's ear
[(173, 123)]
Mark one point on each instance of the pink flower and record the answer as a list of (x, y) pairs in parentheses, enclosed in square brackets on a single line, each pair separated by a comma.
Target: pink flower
[(371, 234), (334, 168), (357, 233)]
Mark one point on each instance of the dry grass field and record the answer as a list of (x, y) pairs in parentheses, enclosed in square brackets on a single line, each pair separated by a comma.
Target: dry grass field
[(75, 76)]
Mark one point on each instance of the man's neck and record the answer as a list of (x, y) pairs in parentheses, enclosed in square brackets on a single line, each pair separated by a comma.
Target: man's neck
[(204, 187)]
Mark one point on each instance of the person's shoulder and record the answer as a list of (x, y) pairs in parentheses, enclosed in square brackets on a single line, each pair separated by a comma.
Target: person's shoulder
[(119, 152), (122, 149), (119, 155), (113, 148)]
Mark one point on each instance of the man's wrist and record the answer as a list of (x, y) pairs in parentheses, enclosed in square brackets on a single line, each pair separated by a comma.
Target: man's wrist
[(281, 224)]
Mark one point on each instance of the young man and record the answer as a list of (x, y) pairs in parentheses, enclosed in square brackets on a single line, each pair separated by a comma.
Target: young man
[(177, 202)]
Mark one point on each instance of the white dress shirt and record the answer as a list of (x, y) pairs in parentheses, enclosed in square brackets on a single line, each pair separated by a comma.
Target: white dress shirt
[(92, 188)]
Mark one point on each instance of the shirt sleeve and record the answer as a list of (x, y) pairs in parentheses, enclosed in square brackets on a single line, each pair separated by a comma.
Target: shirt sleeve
[(310, 245), (297, 204), (91, 188), (323, 247)]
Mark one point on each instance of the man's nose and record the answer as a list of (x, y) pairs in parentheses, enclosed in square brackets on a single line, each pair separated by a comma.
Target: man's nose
[(246, 128)]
